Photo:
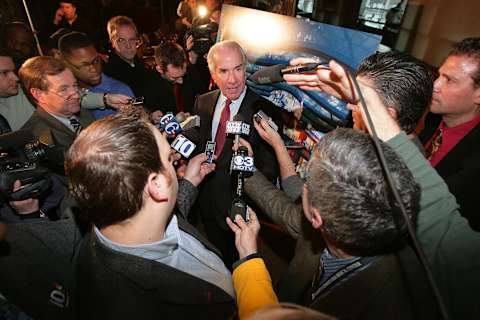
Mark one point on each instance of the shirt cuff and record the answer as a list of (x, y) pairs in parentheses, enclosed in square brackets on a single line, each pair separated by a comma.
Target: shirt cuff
[(244, 259)]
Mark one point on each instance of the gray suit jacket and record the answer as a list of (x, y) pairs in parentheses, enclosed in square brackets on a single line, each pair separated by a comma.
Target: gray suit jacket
[(394, 286), (41, 120)]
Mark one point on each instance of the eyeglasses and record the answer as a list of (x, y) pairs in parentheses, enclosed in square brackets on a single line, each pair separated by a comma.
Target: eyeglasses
[(86, 65), (66, 92), (131, 42)]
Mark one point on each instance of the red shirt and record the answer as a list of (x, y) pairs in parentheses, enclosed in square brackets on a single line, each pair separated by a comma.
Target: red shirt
[(450, 138)]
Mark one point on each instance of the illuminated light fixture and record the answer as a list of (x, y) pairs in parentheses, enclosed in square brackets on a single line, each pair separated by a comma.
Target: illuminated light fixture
[(202, 11), (258, 30)]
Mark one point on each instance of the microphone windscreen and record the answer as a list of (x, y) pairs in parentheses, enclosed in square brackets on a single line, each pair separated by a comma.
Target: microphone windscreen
[(268, 75), (193, 134)]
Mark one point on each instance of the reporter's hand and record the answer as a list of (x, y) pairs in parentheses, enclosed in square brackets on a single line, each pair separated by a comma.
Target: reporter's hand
[(197, 169), (58, 16), (268, 134), (23, 206), (117, 101), (245, 233), (189, 43), (385, 125), (333, 80)]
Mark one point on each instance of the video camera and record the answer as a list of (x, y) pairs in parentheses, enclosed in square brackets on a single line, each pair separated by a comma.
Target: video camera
[(21, 160), (203, 36)]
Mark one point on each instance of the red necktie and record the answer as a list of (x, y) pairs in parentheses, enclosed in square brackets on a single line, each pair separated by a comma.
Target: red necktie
[(221, 135), (177, 92)]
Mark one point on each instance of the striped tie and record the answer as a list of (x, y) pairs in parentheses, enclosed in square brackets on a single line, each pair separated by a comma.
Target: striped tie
[(77, 127)]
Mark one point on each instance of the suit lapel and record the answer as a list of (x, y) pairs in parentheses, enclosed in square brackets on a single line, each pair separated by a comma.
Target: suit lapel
[(453, 160), (210, 102), (54, 123)]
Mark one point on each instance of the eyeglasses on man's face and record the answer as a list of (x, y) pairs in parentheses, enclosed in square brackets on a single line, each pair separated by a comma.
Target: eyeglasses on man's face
[(135, 42), (66, 92), (85, 66)]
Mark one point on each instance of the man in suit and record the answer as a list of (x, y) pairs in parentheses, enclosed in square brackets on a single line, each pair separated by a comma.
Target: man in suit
[(227, 63), (452, 132), (141, 260), (123, 63), (53, 88)]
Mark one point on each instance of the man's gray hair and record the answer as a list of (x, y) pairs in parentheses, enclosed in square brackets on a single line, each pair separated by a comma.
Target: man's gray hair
[(227, 44)]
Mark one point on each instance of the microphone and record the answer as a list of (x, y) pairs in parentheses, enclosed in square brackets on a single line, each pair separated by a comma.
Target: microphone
[(169, 124), (275, 73), (242, 164), (186, 142), (237, 127)]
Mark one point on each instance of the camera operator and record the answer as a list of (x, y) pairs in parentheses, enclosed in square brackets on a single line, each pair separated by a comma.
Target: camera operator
[(16, 211)]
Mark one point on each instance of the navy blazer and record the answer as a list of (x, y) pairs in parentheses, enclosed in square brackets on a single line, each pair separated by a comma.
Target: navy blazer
[(217, 188)]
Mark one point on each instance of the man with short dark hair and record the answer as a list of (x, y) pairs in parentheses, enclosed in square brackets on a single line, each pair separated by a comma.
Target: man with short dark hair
[(171, 89), (140, 257), (79, 53), (67, 16), (19, 41), (14, 106), (452, 131), (403, 82), (123, 63)]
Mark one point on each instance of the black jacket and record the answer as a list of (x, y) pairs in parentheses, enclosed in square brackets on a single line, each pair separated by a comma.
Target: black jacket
[(216, 191), (115, 285), (460, 169)]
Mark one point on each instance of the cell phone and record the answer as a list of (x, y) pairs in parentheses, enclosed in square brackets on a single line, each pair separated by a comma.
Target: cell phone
[(210, 150), (257, 117)]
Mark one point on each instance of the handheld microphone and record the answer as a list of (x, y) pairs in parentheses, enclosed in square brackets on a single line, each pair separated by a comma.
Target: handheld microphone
[(242, 164), (183, 145), (275, 73), (169, 124), (237, 127), (186, 142)]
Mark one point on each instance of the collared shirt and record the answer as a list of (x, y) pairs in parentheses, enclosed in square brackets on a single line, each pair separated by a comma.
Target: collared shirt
[(234, 107), (181, 251), (450, 138), (65, 121), (334, 271), (110, 85)]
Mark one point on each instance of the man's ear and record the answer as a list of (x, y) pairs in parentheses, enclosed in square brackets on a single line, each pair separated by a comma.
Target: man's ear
[(316, 217), (157, 187), (159, 70), (476, 97), (393, 112), (37, 94)]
